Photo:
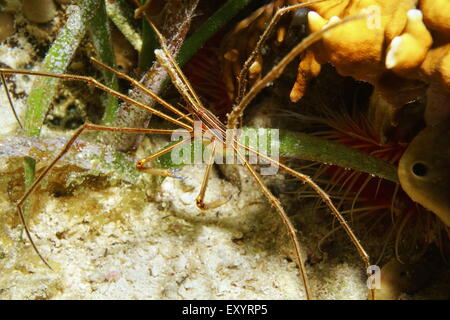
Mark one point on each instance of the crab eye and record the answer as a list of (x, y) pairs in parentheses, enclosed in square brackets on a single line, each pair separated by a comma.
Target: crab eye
[(419, 169)]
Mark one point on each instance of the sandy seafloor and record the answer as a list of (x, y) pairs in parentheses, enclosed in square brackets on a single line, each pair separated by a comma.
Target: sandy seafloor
[(133, 241), (114, 243)]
